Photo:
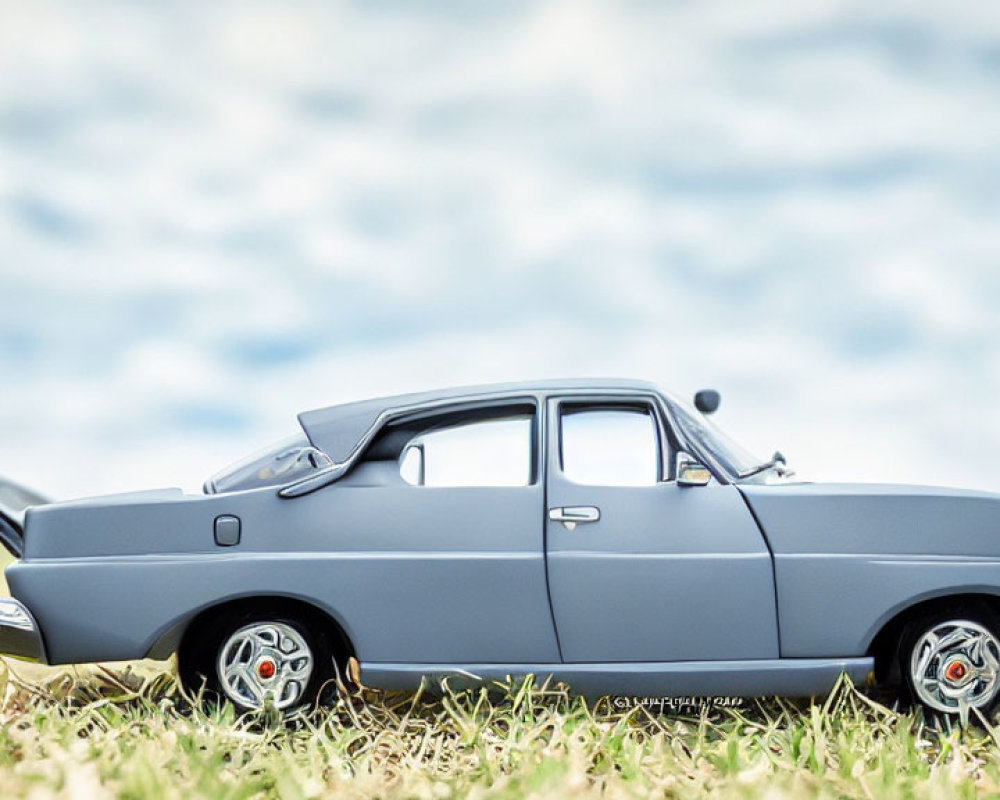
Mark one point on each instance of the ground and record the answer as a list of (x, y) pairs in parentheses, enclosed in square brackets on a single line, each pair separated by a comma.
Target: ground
[(124, 731)]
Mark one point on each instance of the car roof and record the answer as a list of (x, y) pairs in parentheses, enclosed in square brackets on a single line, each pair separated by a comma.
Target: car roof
[(341, 429)]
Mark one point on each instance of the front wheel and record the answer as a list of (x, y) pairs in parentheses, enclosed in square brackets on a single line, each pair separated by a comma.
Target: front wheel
[(952, 662)]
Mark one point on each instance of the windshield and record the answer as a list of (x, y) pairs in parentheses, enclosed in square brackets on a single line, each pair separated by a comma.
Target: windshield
[(708, 437), (279, 464)]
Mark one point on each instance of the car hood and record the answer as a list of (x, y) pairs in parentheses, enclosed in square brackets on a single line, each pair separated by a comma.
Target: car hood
[(817, 518)]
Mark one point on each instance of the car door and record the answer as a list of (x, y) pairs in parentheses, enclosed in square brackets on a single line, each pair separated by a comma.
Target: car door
[(438, 537), (640, 568)]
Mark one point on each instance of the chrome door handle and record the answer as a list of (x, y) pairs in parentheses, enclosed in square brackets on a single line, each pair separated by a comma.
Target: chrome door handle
[(571, 516)]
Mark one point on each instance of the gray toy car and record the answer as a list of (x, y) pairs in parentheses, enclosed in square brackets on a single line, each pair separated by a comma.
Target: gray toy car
[(602, 532)]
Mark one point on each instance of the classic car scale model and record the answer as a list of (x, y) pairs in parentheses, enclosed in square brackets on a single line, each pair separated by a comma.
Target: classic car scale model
[(602, 532)]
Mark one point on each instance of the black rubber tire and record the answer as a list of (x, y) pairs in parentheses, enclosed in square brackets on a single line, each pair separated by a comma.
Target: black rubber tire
[(198, 655), (980, 614)]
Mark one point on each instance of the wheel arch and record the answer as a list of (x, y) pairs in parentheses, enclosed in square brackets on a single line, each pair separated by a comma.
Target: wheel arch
[(178, 635), (883, 646)]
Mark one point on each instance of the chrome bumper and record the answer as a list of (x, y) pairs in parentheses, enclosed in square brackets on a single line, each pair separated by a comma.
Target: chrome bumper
[(19, 633)]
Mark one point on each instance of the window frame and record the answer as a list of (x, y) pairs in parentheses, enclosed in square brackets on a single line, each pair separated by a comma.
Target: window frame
[(492, 410), (665, 443)]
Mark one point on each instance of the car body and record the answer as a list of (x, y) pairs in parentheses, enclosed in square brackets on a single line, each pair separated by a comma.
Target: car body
[(615, 539)]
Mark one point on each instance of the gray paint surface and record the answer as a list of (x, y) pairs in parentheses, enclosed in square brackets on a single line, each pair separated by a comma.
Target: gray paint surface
[(399, 566), (675, 589), (337, 429), (848, 558), (793, 677), (668, 573)]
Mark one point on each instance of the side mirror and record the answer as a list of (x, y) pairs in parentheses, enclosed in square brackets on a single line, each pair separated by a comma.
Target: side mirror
[(707, 401), (691, 473)]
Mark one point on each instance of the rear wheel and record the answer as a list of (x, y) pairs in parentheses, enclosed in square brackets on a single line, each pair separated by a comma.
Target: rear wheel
[(256, 660), (951, 661)]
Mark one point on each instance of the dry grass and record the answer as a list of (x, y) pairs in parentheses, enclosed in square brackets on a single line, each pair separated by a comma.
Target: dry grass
[(125, 731), (99, 732)]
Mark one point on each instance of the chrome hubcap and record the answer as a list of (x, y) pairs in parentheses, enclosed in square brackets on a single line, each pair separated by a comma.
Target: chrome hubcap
[(956, 665), (267, 661)]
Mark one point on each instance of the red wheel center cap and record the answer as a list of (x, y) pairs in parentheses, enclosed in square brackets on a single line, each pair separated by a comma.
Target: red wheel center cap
[(956, 671), (266, 669)]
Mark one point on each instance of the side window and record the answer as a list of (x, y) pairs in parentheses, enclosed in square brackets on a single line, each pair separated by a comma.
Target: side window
[(493, 452), (609, 446)]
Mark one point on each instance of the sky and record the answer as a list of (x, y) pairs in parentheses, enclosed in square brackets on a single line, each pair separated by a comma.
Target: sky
[(216, 215)]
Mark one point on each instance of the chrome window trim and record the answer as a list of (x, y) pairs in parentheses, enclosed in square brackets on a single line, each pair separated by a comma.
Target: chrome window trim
[(337, 470), (532, 418), (557, 399), (665, 419)]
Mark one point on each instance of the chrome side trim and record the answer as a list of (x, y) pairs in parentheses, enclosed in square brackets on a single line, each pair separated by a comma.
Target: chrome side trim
[(20, 636)]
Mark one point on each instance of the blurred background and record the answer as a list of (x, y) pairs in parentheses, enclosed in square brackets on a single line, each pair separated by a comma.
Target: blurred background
[(215, 215)]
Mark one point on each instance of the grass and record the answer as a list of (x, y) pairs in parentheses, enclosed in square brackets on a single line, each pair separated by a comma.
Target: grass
[(100, 732), (125, 731)]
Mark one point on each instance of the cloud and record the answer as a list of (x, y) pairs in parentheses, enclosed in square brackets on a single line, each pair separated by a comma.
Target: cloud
[(215, 215)]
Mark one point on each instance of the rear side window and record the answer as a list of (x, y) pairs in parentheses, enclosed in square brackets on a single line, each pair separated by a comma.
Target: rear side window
[(609, 446), (485, 452)]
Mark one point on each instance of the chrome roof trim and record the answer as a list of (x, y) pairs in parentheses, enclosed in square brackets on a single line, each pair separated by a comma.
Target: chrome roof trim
[(466, 396)]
